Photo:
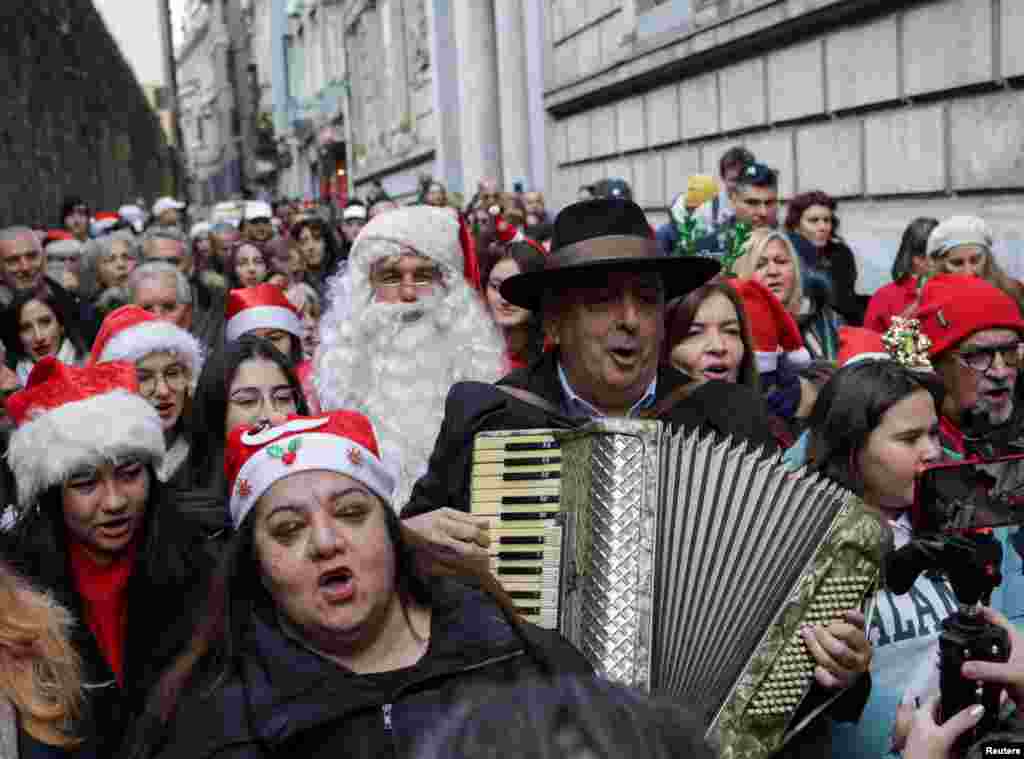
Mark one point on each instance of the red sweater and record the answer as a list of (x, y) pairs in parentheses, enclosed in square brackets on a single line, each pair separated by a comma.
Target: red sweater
[(889, 301), (104, 591)]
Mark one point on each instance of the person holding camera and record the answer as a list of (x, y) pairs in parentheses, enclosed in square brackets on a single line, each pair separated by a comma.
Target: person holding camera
[(930, 740)]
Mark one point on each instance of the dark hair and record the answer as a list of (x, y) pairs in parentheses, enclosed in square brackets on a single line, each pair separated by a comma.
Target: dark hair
[(210, 406), (40, 534), (850, 406), (230, 262), (800, 203), (680, 313), (332, 249), (12, 321), (913, 244), (237, 592), (734, 156), (571, 717), (69, 204), (528, 259)]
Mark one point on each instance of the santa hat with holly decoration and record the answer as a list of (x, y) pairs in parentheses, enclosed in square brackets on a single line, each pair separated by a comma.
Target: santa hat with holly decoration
[(262, 307), (130, 333), (342, 441), (773, 329), (69, 417)]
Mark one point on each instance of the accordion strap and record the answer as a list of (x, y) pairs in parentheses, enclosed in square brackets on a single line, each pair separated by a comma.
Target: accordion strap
[(670, 401), (527, 396)]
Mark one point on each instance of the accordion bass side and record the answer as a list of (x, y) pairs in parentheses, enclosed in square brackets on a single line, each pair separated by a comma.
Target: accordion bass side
[(681, 564)]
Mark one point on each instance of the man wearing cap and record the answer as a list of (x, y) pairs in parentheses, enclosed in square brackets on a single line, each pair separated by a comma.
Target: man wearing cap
[(975, 331), (602, 295), (755, 202), (166, 213), (257, 222), (353, 219), (402, 325)]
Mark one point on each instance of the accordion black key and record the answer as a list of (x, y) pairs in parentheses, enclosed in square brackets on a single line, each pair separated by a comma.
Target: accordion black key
[(683, 564)]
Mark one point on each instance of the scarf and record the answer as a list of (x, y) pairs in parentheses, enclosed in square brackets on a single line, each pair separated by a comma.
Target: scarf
[(66, 355), (104, 591)]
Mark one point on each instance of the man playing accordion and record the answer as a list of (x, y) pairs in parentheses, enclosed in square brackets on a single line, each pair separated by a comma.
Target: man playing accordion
[(602, 295)]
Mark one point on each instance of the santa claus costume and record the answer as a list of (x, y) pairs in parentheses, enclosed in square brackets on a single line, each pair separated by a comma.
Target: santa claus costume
[(395, 362), (132, 334)]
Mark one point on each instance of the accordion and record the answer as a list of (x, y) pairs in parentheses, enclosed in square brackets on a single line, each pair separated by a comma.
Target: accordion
[(683, 564)]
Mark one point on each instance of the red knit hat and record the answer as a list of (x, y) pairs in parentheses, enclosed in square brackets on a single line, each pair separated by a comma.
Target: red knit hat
[(772, 328), (955, 306), (262, 307), (130, 333), (342, 441), (859, 344)]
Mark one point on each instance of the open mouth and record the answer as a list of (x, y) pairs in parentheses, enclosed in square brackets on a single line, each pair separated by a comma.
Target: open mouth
[(716, 371), (625, 354), (115, 528), (338, 584), (164, 409), (1000, 394)]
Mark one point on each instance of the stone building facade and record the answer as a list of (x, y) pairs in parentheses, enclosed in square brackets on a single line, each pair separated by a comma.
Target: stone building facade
[(899, 109), (75, 120)]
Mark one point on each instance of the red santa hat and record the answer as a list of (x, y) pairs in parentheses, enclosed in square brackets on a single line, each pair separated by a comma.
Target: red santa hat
[(341, 441), (955, 306), (262, 307), (130, 333), (772, 328), (70, 417), (103, 221), (859, 344), (505, 232)]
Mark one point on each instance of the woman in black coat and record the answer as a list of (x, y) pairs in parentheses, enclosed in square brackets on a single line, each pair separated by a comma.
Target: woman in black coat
[(98, 532), (327, 633)]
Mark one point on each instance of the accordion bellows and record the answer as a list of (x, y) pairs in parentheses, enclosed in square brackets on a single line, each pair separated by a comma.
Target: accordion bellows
[(682, 564)]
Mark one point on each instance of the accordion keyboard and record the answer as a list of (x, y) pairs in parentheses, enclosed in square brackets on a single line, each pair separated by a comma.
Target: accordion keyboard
[(516, 484)]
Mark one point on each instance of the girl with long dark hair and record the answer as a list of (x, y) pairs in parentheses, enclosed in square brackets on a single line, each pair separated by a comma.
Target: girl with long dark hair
[(36, 325)]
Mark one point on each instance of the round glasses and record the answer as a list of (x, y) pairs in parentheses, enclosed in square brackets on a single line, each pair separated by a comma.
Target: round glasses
[(981, 359), (174, 376)]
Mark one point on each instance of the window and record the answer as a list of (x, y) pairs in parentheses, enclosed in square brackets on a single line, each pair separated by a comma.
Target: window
[(657, 16)]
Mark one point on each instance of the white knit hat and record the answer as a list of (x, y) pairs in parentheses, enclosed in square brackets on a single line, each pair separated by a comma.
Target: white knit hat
[(956, 231), (70, 417)]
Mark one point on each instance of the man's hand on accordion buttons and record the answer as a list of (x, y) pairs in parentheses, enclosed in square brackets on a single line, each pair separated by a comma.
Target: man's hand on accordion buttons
[(842, 650), (453, 533)]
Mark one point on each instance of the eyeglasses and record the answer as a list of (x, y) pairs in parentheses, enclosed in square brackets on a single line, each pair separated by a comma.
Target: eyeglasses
[(280, 399), (390, 279), (981, 359), (174, 376)]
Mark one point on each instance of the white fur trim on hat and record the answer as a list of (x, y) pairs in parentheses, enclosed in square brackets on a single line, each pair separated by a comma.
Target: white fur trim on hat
[(135, 343), (430, 232), (48, 449), (314, 451), (263, 317)]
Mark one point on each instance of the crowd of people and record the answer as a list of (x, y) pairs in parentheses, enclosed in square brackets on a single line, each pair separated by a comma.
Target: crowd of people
[(237, 467)]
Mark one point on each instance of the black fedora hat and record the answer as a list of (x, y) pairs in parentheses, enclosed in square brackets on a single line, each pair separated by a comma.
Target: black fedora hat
[(601, 236)]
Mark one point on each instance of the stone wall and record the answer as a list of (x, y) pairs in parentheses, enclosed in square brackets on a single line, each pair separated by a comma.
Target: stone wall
[(75, 120), (908, 106)]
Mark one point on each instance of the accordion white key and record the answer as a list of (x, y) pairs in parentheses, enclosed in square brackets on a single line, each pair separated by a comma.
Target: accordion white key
[(681, 564)]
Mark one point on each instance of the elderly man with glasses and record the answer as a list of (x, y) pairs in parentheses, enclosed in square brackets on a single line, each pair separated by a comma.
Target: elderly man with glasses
[(975, 331), (401, 327)]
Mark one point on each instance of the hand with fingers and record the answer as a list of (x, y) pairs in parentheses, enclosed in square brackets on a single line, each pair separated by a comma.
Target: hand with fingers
[(842, 650), (1009, 674), (453, 533), (930, 740)]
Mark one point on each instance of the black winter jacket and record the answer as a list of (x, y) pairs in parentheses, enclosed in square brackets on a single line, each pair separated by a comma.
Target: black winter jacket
[(283, 700), (472, 407), (165, 594)]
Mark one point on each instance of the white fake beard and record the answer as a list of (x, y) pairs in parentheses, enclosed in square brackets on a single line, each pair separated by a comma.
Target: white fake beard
[(408, 371)]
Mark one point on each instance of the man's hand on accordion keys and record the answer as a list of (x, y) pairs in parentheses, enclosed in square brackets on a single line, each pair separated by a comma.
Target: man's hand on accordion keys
[(842, 650), (453, 533)]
